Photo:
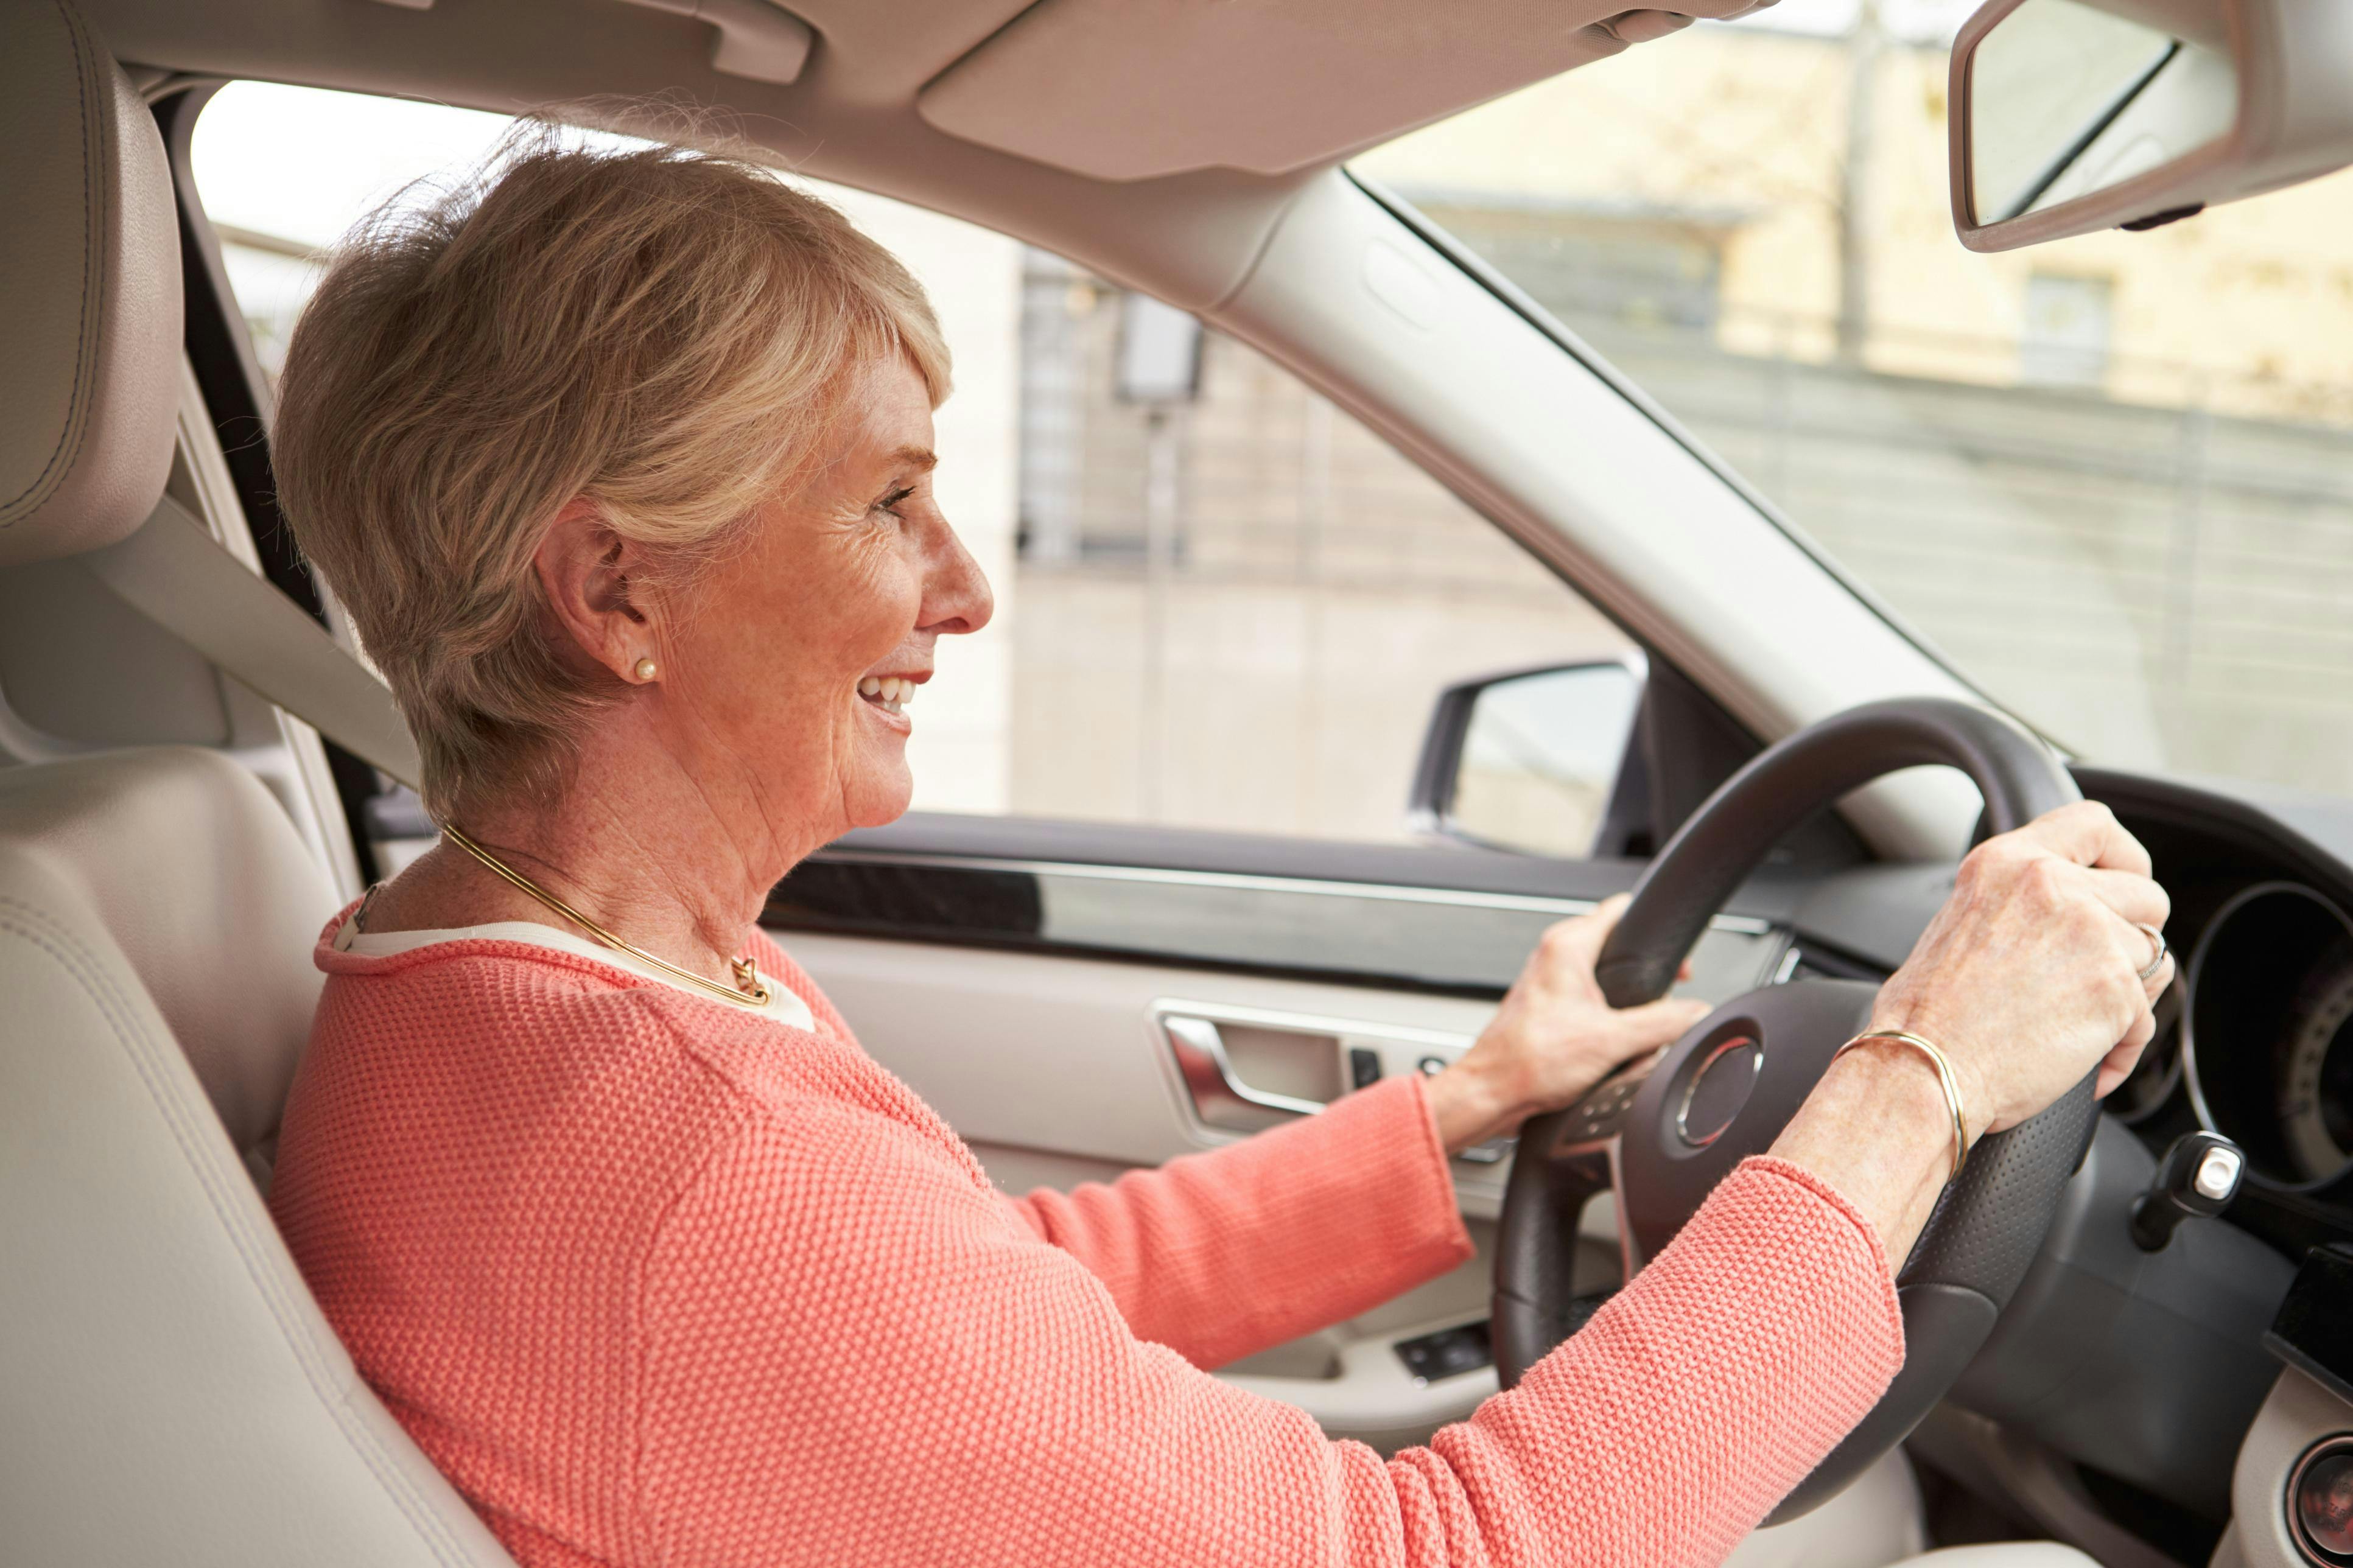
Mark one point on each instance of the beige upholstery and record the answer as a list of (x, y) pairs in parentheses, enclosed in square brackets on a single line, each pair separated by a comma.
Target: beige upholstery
[(198, 875), (90, 292), (1133, 89), (169, 1393)]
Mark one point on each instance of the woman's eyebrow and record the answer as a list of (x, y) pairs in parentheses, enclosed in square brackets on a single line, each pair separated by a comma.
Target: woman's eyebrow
[(919, 457)]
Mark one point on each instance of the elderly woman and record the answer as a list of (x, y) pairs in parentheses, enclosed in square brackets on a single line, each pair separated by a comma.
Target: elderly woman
[(621, 463)]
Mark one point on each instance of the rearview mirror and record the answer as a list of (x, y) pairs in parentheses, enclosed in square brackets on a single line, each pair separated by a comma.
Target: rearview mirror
[(1531, 760), (2075, 115)]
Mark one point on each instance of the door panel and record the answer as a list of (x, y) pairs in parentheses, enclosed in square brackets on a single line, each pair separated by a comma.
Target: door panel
[(1450, 921), (1064, 1056)]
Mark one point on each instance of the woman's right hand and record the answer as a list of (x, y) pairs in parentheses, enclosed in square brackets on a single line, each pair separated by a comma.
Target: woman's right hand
[(2027, 979), (2030, 975)]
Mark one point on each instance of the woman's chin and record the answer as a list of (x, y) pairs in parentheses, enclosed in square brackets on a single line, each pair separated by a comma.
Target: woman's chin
[(883, 795)]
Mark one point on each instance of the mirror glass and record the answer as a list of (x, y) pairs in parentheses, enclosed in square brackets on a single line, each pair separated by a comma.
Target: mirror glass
[(1540, 755), (2067, 98)]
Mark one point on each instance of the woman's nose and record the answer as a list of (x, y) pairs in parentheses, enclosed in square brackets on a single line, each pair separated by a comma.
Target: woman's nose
[(957, 595)]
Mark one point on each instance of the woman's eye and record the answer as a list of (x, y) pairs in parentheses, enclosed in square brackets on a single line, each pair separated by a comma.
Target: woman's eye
[(890, 503)]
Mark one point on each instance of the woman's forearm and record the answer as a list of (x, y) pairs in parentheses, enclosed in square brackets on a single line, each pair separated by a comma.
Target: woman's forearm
[(1877, 1131), (1003, 1378), (1223, 1254)]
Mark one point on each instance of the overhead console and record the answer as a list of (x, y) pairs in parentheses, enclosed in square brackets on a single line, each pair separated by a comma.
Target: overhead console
[(1131, 89)]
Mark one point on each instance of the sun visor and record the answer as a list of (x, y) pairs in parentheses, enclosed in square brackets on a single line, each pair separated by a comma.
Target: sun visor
[(1128, 89)]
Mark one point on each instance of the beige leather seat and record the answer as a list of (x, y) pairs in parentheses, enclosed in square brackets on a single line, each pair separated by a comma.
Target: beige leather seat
[(169, 1392)]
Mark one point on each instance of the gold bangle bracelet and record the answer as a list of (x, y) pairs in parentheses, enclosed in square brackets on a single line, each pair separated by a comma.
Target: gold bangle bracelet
[(1952, 1086)]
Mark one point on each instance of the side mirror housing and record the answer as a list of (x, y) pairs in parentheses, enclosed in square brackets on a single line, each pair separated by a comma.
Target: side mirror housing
[(1532, 760), (2073, 115)]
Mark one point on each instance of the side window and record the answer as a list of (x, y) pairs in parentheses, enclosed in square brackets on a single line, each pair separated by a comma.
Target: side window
[(1222, 601)]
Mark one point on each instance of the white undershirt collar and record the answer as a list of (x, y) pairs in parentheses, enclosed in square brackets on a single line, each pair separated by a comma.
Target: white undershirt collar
[(783, 1006)]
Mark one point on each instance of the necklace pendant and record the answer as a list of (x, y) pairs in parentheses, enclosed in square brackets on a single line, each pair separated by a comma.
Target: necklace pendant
[(747, 981)]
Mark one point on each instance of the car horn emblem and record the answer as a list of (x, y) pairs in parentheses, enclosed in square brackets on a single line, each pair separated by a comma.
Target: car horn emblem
[(1713, 1095)]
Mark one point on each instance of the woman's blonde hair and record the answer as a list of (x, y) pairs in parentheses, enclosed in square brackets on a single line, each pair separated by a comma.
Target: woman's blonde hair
[(659, 329)]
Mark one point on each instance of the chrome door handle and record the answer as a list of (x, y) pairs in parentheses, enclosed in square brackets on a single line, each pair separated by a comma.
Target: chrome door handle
[(1210, 1078)]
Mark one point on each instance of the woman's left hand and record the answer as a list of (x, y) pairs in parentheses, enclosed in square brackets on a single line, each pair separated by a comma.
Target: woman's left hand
[(1553, 1039)]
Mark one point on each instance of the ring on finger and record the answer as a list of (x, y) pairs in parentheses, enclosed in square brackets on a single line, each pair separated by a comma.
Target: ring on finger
[(2156, 960)]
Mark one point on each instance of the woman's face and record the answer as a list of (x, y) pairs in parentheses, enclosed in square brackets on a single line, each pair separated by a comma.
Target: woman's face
[(771, 659)]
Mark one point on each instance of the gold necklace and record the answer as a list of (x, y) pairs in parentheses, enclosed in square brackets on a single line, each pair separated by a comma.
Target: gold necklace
[(746, 991)]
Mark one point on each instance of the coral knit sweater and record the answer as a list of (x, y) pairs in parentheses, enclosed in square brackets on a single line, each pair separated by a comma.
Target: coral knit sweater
[(655, 1280)]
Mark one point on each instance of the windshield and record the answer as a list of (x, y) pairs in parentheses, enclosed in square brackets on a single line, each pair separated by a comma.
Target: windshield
[(2111, 479)]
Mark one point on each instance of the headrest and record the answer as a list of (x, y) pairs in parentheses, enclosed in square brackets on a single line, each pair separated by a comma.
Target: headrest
[(90, 292)]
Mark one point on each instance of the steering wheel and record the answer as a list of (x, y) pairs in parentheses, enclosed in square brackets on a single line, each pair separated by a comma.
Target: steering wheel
[(1724, 1091)]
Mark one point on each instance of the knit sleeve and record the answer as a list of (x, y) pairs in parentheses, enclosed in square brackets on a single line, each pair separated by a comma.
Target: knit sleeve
[(1221, 1254), (848, 1352)]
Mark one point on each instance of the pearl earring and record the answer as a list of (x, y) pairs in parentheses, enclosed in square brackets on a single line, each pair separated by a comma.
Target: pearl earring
[(645, 670)]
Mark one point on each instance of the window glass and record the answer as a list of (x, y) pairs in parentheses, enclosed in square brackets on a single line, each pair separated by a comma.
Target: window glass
[(2112, 477), (1222, 601)]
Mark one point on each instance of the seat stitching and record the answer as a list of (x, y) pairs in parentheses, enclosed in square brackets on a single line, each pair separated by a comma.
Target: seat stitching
[(83, 965), (77, 426)]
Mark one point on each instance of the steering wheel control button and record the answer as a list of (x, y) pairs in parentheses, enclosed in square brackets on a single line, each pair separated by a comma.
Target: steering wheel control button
[(1598, 1115), (2196, 1180), (1713, 1097), (2320, 1502)]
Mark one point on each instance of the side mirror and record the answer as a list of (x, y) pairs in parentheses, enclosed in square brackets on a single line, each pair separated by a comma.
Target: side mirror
[(1534, 760), (2075, 115)]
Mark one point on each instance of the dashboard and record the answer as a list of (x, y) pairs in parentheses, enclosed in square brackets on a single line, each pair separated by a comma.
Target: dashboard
[(2256, 1039)]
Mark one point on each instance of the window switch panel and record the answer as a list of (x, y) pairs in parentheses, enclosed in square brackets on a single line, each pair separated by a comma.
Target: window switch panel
[(1449, 1352)]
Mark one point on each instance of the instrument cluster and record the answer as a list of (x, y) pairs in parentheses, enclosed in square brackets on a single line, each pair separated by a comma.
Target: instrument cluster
[(2265, 1032)]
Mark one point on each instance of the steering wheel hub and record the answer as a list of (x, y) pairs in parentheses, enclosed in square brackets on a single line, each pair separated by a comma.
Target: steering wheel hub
[(1718, 1088), (1724, 1092)]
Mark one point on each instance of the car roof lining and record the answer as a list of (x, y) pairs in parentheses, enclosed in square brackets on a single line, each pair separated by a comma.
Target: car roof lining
[(1125, 90), (938, 102)]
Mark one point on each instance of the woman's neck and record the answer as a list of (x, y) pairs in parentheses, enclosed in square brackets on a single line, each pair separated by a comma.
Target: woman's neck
[(668, 864)]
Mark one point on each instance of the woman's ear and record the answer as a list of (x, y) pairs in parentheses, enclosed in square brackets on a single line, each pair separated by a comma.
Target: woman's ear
[(593, 580)]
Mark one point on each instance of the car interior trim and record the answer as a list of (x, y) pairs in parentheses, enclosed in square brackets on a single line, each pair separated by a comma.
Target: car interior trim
[(1743, 925)]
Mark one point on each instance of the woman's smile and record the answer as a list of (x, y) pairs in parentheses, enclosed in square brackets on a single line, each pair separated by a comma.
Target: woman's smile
[(887, 697)]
